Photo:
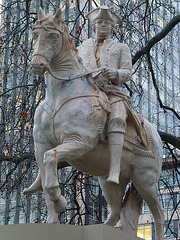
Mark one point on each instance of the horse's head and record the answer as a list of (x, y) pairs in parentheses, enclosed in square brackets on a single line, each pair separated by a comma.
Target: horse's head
[(47, 40)]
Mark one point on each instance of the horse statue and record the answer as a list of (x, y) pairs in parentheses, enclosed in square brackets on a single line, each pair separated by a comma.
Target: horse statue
[(70, 125)]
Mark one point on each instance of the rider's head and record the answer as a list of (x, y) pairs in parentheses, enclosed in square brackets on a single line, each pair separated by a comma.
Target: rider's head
[(103, 20)]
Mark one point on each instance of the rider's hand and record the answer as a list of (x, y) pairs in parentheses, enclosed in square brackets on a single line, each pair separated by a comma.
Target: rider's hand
[(112, 75)]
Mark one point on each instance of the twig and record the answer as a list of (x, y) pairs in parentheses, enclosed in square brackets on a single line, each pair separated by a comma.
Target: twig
[(157, 89)]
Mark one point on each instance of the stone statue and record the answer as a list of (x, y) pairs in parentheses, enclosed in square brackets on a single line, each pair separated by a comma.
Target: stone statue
[(70, 124)]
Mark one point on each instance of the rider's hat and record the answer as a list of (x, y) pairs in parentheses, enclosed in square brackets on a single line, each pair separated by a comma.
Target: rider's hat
[(103, 12)]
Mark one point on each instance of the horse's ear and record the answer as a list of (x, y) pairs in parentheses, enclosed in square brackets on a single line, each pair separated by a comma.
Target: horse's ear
[(41, 13), (58, 15)]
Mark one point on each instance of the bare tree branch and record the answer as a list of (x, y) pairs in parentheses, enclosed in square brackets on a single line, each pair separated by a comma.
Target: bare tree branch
[(174, 21), (157, 89), (17, 159), (166, 137)]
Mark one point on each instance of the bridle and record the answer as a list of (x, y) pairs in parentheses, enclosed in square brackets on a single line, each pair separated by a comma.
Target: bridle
[(74, 77), (41, 55)]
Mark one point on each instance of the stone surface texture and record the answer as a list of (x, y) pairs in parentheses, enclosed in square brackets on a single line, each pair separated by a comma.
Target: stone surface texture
[(62, 232)]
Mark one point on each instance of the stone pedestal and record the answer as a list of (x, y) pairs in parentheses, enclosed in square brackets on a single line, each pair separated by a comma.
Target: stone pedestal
[(62, 232)]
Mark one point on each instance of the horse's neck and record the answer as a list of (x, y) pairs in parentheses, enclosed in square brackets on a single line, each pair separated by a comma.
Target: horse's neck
[(57, 90), (66, 64)]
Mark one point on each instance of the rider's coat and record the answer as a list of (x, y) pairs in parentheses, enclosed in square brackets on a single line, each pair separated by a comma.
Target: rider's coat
[(113, 55)]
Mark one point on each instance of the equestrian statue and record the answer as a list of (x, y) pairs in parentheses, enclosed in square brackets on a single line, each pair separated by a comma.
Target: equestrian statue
[(86, 120)]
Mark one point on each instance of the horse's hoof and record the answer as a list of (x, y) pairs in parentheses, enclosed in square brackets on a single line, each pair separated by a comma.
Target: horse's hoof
[(112, 219), (53, 220), (60, 205), (32, 189)]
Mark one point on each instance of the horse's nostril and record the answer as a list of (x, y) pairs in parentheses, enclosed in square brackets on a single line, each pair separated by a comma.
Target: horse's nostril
[(42, 65)]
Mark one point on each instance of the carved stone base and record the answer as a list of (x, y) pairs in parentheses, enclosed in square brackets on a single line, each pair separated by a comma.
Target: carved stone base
[(62, 232)]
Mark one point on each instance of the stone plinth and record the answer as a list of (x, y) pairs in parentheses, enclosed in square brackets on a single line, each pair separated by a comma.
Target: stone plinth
[(62, 232)]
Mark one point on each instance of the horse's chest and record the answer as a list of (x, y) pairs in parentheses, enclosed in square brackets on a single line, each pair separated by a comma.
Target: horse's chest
[(43, 122), (45, 125), (56, 123)]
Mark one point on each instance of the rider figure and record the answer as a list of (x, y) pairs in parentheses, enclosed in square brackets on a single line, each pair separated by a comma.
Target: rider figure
[(116, 58)]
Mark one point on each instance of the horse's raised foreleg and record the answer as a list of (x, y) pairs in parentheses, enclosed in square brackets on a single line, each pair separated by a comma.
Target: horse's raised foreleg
[(63, 152), (113, 194)]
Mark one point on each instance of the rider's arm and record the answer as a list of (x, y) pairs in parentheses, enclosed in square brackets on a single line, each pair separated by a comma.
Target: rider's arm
[(125, 65)]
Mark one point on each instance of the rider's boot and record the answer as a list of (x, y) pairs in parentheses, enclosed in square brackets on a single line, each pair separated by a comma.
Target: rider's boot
[(116, 129), (35, 186)]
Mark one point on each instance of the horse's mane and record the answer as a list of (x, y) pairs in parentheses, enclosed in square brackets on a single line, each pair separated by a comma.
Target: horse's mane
[(70, 40), (48, 22)]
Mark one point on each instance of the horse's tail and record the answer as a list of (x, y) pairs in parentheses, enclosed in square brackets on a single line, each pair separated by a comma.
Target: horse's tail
[(131, 210)]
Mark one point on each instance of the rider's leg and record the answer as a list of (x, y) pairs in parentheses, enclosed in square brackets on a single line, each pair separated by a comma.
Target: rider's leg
[(116, 130), (116, 140), (64, 152)]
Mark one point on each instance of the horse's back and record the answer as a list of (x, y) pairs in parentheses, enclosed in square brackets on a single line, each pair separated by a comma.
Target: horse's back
[(96, 162)]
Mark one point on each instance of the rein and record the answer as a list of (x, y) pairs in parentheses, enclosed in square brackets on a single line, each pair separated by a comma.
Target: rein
[(85, 73)]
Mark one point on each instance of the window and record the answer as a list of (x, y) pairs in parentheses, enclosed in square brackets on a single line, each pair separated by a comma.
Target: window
[(166, 201), (94, 186), (93, 210), (145, 208), (104, 213), (145, 232), (169, 178), (178, 200), (2, 208), (171, 229)]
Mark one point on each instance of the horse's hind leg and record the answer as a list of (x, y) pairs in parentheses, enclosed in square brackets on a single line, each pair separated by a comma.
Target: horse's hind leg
[(148, 191), (113, 194), (152, 200), (63, 152)]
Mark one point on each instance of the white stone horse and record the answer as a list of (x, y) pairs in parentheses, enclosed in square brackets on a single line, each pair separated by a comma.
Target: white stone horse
[(69, 125)]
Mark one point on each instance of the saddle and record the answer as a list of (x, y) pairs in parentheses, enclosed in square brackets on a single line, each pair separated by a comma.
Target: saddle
[(138, 135)]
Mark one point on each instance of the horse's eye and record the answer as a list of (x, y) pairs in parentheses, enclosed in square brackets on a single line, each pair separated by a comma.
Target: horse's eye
[(53, 35), (35, 36)]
